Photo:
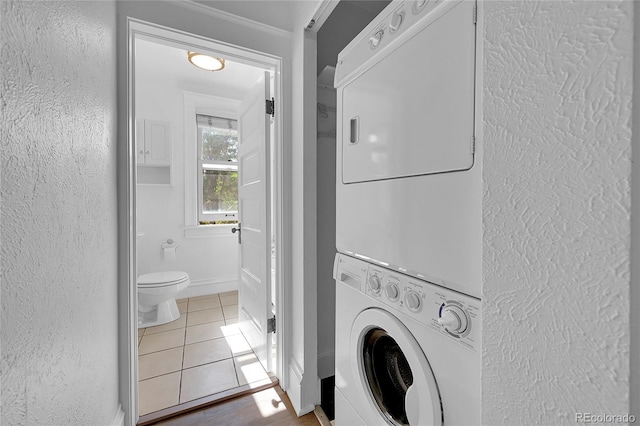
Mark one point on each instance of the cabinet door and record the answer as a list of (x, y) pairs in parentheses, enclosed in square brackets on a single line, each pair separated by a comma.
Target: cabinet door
[(140, 141), (157, 142)]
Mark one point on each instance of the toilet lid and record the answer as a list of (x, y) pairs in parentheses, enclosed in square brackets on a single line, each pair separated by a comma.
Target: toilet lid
[(158, 279)]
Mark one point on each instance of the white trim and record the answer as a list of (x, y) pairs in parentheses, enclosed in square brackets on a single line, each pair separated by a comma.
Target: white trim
[(321, 15), (203, 287), (239, 20), (127, 191), (128, 298), (118, 419), (196, 103), (296, 389)]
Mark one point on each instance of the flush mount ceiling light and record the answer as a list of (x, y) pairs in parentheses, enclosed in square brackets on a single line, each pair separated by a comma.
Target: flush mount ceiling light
[(205, 62)]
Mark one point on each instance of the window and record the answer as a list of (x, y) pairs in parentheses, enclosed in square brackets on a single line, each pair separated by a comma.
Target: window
[(217, 169)]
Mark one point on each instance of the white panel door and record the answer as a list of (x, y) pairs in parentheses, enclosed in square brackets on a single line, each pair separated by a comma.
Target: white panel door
[(254, 292)]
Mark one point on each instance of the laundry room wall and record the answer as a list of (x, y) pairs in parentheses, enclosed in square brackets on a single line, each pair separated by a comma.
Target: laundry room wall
[(210, 260), (557, 85), (59, 214)]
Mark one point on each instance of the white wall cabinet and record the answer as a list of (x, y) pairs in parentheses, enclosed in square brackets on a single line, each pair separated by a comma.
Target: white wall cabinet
[(153, 143), (153, 152)]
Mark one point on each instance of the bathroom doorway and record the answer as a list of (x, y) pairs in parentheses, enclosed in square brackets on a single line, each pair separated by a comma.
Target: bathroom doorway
[(208, 353)]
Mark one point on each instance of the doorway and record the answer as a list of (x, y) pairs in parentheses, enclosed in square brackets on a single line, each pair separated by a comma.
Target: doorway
[(157, 188)]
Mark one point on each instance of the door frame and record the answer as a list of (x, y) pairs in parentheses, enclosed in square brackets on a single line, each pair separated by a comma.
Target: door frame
[(137, 28)]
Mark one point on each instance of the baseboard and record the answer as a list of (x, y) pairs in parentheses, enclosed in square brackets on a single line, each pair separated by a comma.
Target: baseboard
[(118, 420), (205, 287), (295, 390)]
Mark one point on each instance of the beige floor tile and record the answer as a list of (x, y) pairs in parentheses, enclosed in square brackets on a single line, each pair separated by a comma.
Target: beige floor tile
[(202, 332), (205, 352), (230, 299), (199, 305), (173, 325), (249, 369), (183, 300), (229, 293), (161, 341), (201, 317), (141, 331), (206, 296), (230, 311), (207, 380), (231, 326), (139, 340), (158, 393), (238, 344), (159, 363), (182, 306)]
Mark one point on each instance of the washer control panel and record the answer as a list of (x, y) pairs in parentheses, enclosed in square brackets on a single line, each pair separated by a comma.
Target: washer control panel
[(445, 311)]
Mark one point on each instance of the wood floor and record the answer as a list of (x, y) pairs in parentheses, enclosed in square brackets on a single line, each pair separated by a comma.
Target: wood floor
[(268, 407)]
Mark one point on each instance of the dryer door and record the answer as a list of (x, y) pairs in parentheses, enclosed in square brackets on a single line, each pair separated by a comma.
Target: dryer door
[(412, 112), (393, 371)]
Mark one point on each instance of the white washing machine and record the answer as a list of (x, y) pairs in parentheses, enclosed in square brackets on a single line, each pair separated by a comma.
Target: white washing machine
[(407, 351), (408, 184)]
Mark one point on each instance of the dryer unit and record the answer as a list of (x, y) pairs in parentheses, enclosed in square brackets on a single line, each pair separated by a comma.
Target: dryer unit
[(408, 183)]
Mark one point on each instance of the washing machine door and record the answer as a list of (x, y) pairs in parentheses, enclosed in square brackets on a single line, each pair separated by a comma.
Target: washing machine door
[(394, 372)]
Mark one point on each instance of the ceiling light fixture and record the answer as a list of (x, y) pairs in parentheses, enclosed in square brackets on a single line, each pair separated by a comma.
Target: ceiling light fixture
[(205, 62)]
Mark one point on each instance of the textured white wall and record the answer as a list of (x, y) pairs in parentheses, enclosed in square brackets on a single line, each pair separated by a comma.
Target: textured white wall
[(557, 136), (59, 227)]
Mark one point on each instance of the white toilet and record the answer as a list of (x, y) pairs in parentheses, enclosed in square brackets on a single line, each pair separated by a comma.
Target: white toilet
[(157, 297)]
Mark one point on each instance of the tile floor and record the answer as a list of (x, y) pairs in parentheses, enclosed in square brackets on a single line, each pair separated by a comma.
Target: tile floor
[(200, 354)]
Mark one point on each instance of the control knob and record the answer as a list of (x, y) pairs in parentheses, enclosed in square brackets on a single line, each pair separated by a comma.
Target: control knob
[(375, 40), (392, 292), (414, 303), (454, 319), (375, 283), (396, 21)]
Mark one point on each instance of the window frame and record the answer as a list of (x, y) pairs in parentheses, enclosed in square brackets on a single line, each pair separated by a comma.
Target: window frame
[(200, 103), (212, 165)]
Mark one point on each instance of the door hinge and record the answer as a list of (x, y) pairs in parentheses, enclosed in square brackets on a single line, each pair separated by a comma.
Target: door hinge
[(271, 325), (473, 145), (271, 107), (475, 14)]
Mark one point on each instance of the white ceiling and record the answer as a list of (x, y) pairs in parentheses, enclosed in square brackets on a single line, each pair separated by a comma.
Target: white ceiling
[(161, 60)]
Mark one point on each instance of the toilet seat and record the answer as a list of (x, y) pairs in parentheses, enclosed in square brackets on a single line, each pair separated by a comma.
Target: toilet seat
[(162, 279)]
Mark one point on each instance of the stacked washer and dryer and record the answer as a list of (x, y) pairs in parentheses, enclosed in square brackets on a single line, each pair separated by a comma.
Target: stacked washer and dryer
[(408, 224)]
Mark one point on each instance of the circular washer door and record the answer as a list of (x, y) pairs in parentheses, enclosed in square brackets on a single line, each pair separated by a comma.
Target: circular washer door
[(393, 370)]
